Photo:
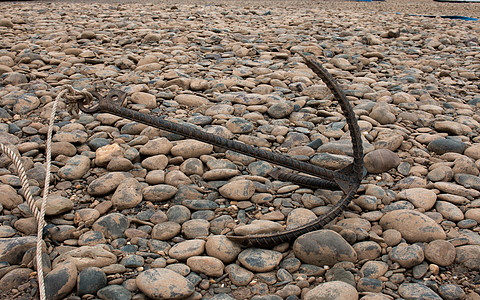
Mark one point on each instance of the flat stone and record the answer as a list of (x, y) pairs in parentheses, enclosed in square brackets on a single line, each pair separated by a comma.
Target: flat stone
[(166, 230), (381, 160), (417, 291), (338, 290), (259, 260), (106, 183), (184, 250), (407, 255), (420, 197), (87, 256), (322, 248), (75, 168), (440, 252), (221, 247), (442, 146), (238, 275), (191, 100), (128, 194), (156, 146), (207, 265), (90, 280), (10, 199), (114, 292), (14, 278), (159, 192), (162, 283), (61, 281), (191, 148), (238, 190), (414, 226), (13, 249), (55, 205), (112, 225)]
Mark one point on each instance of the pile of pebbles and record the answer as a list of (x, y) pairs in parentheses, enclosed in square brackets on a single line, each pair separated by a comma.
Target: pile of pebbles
[(140, 213)]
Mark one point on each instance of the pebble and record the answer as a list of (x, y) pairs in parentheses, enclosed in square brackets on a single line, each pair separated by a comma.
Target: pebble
[(323, 248), (128, 196), (90, 280), (442, 146), (407, 255), (87, 256), (61, 280), (381, 160), (114, 292), (417, 291), (332, 290), (259, 260), (162, 283), (440, 252), (14, 278), (419, 197), (414, 226), (209, 266)]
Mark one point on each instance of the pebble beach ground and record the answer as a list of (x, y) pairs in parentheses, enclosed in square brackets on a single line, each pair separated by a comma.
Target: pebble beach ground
[(142, 214)]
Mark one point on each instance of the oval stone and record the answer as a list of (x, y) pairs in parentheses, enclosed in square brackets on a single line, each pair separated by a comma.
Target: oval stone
[(323, 248), (413, 225), (163, 283)]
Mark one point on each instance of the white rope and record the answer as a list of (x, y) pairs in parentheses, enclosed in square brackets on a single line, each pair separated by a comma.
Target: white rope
[(73, 98)]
